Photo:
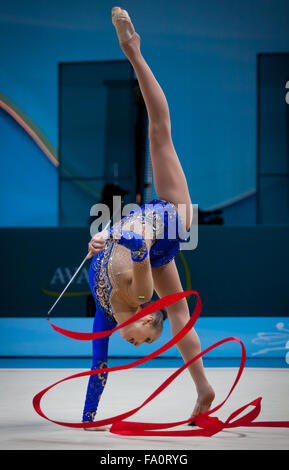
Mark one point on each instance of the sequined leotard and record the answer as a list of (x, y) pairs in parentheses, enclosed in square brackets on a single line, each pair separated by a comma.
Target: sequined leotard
[(167, 233)]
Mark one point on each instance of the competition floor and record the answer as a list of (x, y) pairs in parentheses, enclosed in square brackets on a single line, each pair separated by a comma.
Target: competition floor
[(22, 429)]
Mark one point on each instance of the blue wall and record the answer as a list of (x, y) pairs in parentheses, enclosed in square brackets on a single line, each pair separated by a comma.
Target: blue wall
[(202, 52), (33, 337), (28, 180)]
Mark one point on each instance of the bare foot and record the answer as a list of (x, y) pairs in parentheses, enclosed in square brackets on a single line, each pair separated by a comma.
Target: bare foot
[(99, 428), (124, 29), (204, 401)]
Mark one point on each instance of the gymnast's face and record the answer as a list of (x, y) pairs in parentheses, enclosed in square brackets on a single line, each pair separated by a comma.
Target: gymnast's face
[(141, 331)]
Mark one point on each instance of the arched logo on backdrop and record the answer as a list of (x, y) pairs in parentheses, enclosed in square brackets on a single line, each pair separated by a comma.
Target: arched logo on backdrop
[(287, 94), (80, 286), (60, 278)]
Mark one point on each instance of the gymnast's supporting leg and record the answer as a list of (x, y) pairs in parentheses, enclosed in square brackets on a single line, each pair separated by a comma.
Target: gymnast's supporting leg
[(166, 281)]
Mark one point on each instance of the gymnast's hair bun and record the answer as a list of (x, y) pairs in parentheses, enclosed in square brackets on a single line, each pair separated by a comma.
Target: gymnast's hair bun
[(164, 312)]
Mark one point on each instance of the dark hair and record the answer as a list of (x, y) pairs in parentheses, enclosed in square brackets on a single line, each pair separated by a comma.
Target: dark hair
[(159, 316)]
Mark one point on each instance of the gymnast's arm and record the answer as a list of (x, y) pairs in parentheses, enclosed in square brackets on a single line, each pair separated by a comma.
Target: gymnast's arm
[(140, 288)]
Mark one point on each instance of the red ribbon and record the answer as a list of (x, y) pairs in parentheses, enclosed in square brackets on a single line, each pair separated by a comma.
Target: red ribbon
[(209, 425)]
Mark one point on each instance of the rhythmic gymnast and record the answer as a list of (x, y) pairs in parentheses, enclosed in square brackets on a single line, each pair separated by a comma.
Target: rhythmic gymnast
[(128, 265)]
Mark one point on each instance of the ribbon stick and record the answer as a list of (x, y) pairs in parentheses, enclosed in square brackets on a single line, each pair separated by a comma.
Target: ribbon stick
[(208, 425), (78, 269)]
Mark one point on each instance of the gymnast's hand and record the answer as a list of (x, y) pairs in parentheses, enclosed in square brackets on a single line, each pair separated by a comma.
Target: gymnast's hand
[(97, 243)]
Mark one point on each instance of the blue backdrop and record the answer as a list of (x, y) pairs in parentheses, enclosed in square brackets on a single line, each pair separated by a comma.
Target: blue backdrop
[(204, 55)]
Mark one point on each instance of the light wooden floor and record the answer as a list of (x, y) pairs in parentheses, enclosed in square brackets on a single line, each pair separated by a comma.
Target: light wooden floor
[(21, 428)]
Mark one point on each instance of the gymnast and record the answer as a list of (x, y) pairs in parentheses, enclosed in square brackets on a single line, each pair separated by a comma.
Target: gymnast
[(127, 265)]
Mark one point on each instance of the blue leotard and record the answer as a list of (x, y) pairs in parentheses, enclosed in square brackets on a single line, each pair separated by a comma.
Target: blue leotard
[(168, 233)]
